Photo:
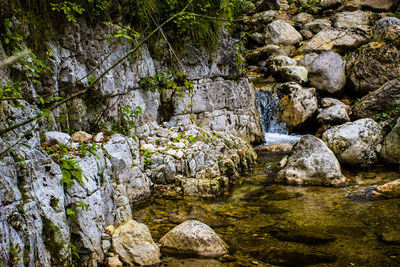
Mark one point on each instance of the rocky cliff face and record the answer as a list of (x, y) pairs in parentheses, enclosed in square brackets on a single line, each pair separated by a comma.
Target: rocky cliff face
[(43, 220)]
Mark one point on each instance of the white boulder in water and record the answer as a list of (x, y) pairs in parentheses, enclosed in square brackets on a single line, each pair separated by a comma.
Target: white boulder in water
[(311, 163)]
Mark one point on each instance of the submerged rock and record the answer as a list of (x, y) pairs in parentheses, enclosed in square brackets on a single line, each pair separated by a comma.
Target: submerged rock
[(193, 238), (391, 236), (132, 241), (355, 143), (311, 163), (295, 257), (302, 236)]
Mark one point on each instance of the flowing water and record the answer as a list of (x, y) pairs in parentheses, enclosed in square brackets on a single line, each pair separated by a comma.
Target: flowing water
[(266, 224), (275, 131)]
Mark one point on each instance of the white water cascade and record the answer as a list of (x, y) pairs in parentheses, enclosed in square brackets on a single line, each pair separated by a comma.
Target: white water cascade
[(275, 132)]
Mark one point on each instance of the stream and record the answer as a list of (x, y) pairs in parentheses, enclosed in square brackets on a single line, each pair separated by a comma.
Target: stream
[(266, 224)]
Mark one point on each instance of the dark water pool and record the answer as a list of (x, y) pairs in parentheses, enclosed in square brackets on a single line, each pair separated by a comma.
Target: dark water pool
[(272, 225)]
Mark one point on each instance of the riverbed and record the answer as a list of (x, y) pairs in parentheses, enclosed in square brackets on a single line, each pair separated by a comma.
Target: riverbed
[(266, 224)]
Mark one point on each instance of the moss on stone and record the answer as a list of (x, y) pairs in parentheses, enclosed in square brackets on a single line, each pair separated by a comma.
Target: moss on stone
[(51, 233)]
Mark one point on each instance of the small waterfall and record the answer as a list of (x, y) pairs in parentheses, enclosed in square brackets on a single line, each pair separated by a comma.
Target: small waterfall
[(275, 131)]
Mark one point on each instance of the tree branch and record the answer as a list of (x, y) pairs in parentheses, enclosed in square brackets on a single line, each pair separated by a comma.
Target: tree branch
[(14, 58)]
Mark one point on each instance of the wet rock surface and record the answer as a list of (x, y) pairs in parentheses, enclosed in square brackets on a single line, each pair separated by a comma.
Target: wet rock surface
[(311, 163), (132, 241), (193, 238), (355, 143)]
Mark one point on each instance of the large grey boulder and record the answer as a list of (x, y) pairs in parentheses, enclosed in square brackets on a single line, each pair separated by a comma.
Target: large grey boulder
[(380, 101), (296, 103), (311, 163), (351, 19), (390, 152), (387, 29), (281, 32), (328, 72), (193, 238), (132, 241), (338, 40), (355, 143), (372, 66), (333, 111)]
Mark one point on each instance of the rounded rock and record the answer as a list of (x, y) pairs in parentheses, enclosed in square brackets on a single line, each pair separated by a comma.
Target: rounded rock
[(132, 241), (328, 72), (281, 32), (387, 29), (355, 143), (193, 238), (311, 163)]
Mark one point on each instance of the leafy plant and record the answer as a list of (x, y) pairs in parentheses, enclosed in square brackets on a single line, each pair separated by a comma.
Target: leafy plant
[(74, 254), (122, 33), (9, 37), (13, 253), (70, 171), (85, 149), (70, 9), (240, 47), (309, 6), (391, 114), (130, 116)]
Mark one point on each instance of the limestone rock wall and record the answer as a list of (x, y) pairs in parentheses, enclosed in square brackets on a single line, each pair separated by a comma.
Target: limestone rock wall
[(45, 223)]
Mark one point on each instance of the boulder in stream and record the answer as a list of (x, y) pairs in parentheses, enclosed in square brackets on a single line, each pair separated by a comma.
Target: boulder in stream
[(193, 238), (311, 162), (132, 241), (389, 190), (298, 104), (355, 143)]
